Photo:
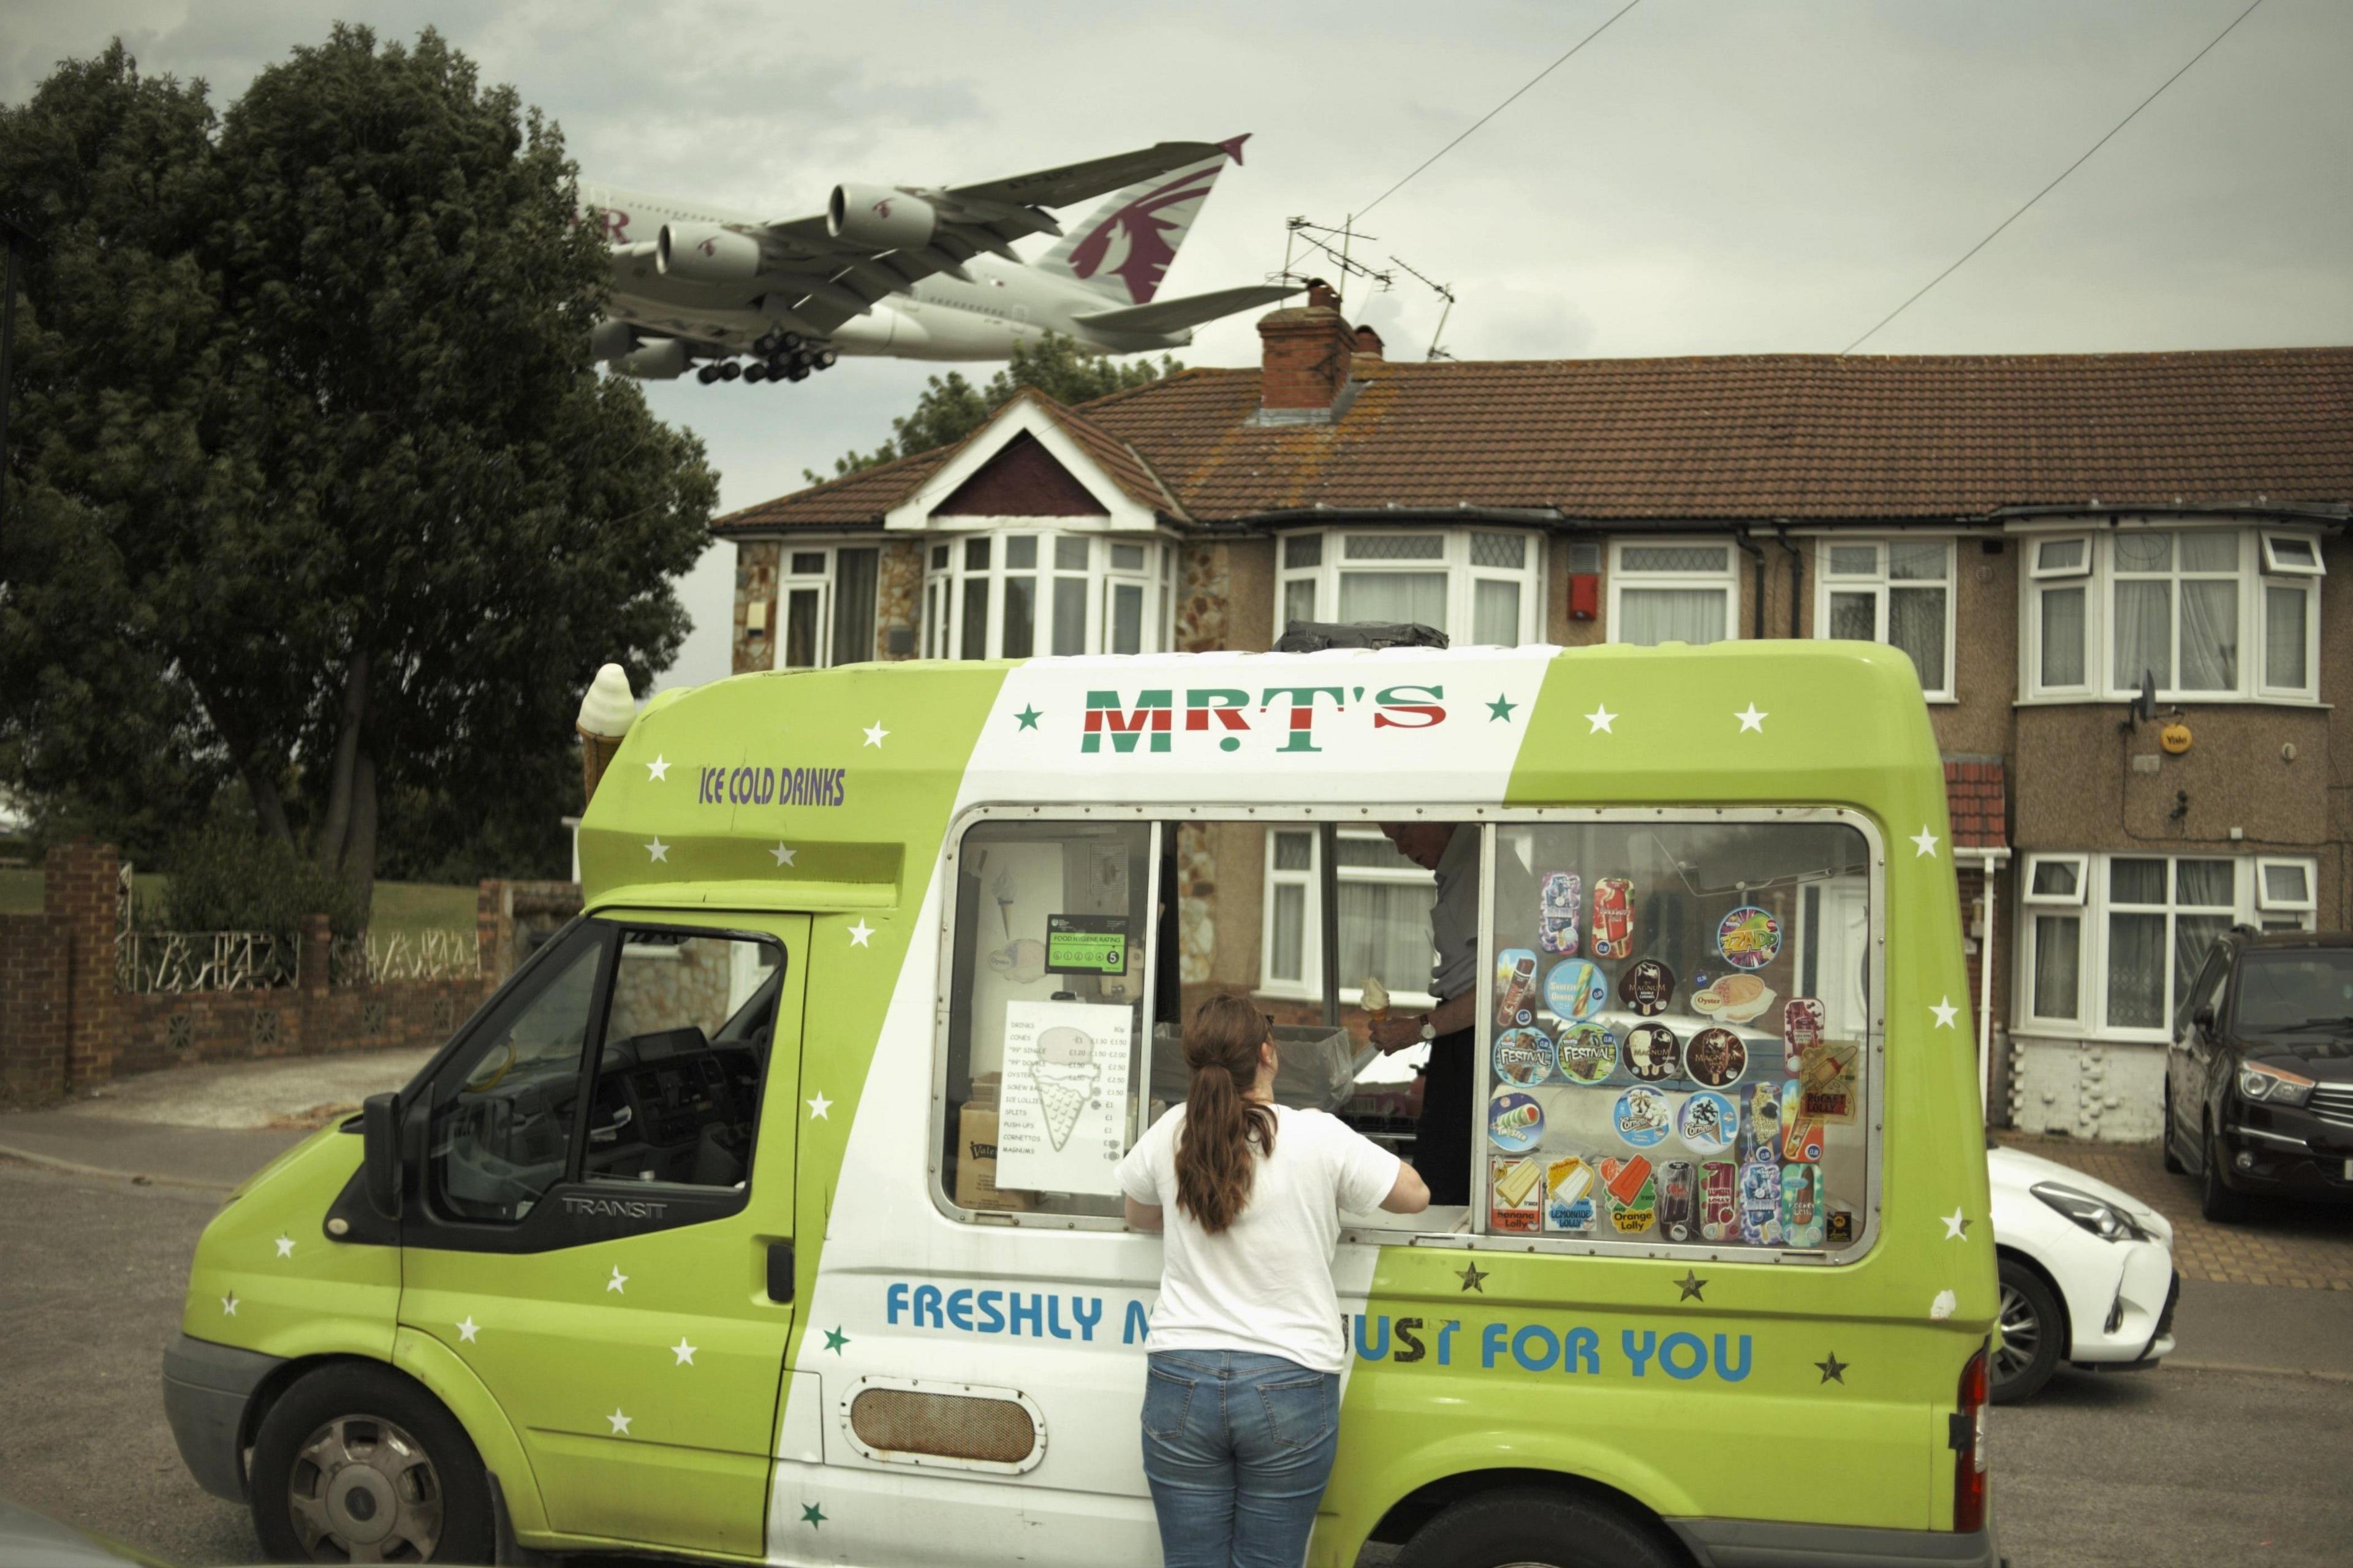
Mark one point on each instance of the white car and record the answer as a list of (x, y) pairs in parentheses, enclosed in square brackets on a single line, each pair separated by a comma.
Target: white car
[(2087, 1274)]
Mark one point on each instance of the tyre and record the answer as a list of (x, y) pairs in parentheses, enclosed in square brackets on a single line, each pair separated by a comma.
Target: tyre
[(2033, 1334), (2173, 1164), (1531, 1528), (2216, 1201), (356, 1463)]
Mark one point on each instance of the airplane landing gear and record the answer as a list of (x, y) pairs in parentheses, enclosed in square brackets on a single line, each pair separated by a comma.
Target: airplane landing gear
[(730, 371), (707, 374), (770, 344), (755, 371)]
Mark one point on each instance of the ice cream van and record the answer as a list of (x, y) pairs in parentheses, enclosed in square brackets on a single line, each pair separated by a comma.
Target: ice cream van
[(767, 1214)]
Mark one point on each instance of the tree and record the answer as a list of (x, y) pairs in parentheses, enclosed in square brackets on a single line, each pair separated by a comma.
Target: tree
[(952, 409), (329, 496)]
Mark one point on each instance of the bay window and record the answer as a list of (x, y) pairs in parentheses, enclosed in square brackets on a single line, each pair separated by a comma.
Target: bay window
[(1897, 592), (826, 606), (1021, 596), (1673, 590), (1480, 586)]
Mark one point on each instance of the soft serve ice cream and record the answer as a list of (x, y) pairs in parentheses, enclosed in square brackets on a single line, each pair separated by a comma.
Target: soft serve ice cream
[(606, 714)]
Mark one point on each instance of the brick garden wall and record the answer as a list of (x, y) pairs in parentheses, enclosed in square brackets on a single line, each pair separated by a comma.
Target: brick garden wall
[(33, 1016)]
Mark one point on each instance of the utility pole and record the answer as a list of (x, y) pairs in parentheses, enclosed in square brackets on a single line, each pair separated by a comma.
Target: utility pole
[(18, 237)]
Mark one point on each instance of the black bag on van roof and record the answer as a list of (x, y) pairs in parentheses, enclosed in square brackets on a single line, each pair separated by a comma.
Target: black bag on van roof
[(1314, 637)]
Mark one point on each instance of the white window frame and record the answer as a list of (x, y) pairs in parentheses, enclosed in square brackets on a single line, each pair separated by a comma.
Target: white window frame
[(944, 589), (1622, 579), (2285, 914), (1321, 578), (1309, 986), (824, 580), (1882, 587), (2098, 576), (2039, 906)]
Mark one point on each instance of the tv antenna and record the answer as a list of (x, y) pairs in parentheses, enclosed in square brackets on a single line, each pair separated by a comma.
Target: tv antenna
[(1444, 291), (1337, 245)]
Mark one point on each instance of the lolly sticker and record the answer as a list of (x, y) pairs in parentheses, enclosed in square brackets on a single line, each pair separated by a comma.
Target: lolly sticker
[(1652, 1052), (1516, 1187), (1558, 906), (1760, 1204), (1750, 937), (1678, 1217), (1647, 988), (1801, 1135), (1760, 1122), (1633, 1194), (1708, 1123), (1569, 1196), (1733, 998), (1523, 1057), (1719, 1201), (1587, 1052), (1643, 1115), (1802, 1206), (1715, 1058), (1515, 988), (1515, 1122), (1613, 917), (1828, 1073), (1575, 990), (1801, 1028)]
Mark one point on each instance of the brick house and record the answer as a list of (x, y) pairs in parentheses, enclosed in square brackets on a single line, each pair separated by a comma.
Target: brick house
[(2039, 533)]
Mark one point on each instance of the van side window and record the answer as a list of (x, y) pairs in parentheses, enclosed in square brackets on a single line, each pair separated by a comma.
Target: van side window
[(1677, 1036), (503, 1119), (677, 1088)]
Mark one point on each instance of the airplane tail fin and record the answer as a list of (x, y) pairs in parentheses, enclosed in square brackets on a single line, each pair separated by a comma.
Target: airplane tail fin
[(1124, 248)]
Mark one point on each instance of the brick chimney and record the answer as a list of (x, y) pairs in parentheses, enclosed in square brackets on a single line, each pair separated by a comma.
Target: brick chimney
[(1368, 343), (1305, 353)]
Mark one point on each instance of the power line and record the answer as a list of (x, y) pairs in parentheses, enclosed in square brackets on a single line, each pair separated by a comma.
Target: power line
[(2046, 190), (1499, 108)]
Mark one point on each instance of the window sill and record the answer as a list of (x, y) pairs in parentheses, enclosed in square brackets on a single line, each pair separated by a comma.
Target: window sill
[(2079, 699)]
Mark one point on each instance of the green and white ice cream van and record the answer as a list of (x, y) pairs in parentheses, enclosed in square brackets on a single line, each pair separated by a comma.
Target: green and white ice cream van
[(767, 1214)]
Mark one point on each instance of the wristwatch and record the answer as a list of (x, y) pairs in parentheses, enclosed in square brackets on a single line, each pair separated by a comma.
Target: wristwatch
[(1429, 1029)]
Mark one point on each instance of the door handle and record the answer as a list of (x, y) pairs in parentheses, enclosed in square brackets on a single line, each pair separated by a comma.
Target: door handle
[(780, 1271)]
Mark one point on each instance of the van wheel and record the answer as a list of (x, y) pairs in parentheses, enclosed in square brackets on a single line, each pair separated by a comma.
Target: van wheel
[(2216, 1201), (2173, 1164), (1531, 1529), (2033, 1327), (357, 1464)]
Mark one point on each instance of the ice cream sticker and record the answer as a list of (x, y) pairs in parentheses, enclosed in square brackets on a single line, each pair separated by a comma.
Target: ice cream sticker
[(1568, 1196), (1613, 917), (1059, 1127), (1515, 1122), (1517, 1184), (1523, 1057), (1750, 938), (1646, 989), (1515, 988), (1708, 1122), (1733, 998), (1653, 1053), (1564, 895), (1633, 1194), (1587, 1053), (1801, 1028), (1715, 1058), (1575, 990), (1643, 1116)]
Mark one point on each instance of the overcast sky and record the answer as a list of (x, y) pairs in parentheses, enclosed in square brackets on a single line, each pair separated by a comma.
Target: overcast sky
[(1707, 177)]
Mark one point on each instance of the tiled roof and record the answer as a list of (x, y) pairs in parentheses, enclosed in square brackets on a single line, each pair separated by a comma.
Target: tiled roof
[(1976, 801), (1758, 436)]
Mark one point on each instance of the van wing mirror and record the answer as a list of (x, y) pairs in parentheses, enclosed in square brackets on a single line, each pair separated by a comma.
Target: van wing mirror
[(380, 1153)]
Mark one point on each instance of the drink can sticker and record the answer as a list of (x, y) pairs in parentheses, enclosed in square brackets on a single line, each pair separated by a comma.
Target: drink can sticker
[(1570, 1192), (1515, 1122), (1760, 1204), (1715, 1058), (1750, 938), (1515, 988), (1801, 1028), (1523, 1057), (1719, 1201), (1647, 988), (1587, 1052), (1677, 1212), (1613, 917), (1652, 1052), (1562, 900), (1802, 1206), (1643, 1116), (1708, 1122), (1575, 990)]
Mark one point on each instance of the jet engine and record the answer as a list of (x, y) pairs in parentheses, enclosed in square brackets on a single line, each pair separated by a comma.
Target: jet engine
[(609, 339), (658, 359), (706, 253), (879, 217)]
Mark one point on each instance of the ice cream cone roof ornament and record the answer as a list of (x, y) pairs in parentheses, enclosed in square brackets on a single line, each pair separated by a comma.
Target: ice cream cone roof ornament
[(606, 714)]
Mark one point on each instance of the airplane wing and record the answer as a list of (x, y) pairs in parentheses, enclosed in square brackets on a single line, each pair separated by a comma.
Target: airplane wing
[(873, 241), (1175, 315)]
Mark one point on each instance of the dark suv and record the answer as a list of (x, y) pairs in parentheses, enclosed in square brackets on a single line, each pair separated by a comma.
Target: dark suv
[(2259, 1079)]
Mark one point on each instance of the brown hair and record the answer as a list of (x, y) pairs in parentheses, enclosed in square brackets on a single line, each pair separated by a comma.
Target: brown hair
[(1213, 1154)]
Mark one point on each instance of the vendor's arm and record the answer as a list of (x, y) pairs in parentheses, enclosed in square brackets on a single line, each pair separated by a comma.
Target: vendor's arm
[(1400, 1030)]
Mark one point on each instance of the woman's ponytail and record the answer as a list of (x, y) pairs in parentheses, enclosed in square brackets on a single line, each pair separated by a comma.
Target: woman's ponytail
[(1213, 1154)]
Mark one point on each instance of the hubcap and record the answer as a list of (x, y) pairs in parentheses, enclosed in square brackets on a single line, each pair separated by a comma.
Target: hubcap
[(2021, 1335), (363, 1491)]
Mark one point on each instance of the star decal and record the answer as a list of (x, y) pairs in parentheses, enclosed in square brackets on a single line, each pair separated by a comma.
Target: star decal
[(1028, 717), (783, 856), (1500, 708), (1690, 1285), (468, 1330), (1834, 1370), (1752, 719), (619, 1281), (658, 769), (1946, 1012), (876, 734), (812, 1515), (285, 1246), (818, 1107), (658, 849), (861, 934), (1956, 1226), (620, 1423), (684, 1352), (1601, 718), (228, 1305), (834, 1339), (1923, 842), (1473, 1279)]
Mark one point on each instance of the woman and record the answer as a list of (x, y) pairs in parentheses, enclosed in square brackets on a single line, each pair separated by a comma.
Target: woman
[(1241, 1403)]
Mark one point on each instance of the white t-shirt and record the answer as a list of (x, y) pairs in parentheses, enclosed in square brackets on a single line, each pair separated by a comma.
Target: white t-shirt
[(1264, 1283)]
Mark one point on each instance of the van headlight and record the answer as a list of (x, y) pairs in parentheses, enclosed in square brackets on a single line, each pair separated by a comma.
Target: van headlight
[(2268, 1085), (2099, 1217)]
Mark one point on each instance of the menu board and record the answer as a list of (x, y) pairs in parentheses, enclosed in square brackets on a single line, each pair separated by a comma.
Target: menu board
[(1060, 1128), (1661, 1069)]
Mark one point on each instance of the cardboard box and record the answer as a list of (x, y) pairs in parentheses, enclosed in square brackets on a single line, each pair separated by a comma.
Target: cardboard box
[(975, 1165)]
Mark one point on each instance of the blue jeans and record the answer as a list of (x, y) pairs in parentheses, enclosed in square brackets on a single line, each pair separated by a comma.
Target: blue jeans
[(1237, 1447)]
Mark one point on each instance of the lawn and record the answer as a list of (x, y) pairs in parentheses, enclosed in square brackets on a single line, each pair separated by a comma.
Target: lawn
[(399, 906)]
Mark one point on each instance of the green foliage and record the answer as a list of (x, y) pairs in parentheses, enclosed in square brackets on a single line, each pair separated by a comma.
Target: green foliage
[(952, 409), (318, 491), (225, 877)]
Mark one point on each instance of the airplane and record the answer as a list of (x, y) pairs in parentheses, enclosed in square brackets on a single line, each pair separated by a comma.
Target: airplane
[(910, 272)]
